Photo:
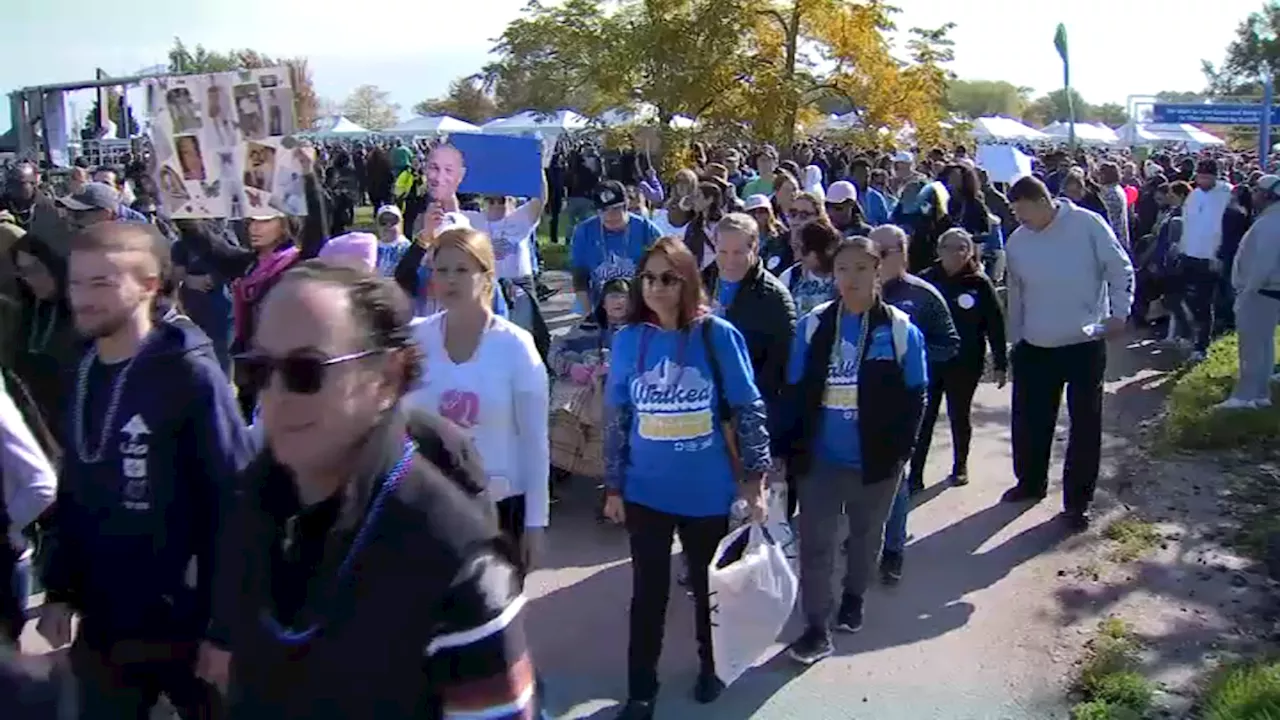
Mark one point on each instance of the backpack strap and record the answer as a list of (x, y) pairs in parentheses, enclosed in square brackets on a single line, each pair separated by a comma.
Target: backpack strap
[(722, 401)]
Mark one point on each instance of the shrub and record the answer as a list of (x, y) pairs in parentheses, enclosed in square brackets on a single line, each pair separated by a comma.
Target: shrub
[(1246, 691)]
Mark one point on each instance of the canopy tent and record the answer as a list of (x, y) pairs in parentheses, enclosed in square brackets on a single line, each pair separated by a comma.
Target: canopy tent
[(645, 114), (997, 129), (1086, 133), (537, 124), (432, 125), (336, 125), (1133, 133), (1003, 163)]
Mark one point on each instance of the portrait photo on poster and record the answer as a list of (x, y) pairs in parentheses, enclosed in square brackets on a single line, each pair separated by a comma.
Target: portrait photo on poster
[(173, 190), (446, 169), (249, 117), (183, 112), (279, 112), (478, 164), (259, 166), (190, 158), (218, 114)]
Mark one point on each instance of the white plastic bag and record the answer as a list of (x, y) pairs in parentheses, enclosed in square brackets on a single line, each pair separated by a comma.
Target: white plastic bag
[(776, 522), (751, 599)]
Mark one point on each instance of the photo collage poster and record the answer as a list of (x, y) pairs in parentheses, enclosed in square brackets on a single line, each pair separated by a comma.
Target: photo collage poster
[(223, 144)]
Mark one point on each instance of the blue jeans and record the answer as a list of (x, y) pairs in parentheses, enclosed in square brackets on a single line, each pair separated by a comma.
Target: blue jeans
[(895, 529)]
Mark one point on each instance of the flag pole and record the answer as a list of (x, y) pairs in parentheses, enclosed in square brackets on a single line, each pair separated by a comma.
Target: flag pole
[(1060, 42)]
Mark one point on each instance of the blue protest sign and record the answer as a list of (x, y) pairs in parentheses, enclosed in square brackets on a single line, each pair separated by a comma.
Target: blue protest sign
[(1211, 114), (500, 165)]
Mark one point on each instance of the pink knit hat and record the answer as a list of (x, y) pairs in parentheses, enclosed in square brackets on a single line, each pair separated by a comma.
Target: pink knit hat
[(360, 247)]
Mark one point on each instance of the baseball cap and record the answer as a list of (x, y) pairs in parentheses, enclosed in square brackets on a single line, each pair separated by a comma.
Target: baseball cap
[(609, 194), (268, 213), (755, 202), (842, 191), (93, 196), (1269, 184), (388, 210), (902, 156)]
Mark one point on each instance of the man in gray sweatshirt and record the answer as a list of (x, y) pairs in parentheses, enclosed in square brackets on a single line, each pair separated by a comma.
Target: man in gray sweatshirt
[(1070, 286), (1255, 275)]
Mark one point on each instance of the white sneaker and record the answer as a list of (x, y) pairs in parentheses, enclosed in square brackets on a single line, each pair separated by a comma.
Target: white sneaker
[(1275, 378), (1262, 404), (1234, 403)]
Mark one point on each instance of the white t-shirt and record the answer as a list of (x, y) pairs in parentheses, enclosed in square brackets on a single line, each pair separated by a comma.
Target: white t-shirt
[(663, 221), (500, 398), (512, 239)]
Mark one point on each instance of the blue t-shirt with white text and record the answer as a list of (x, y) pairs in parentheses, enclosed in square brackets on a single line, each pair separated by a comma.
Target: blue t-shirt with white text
[(678, 461), (606, 254)]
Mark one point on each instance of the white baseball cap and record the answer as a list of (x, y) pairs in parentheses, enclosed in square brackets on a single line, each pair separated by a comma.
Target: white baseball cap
[(902, 156), (842, 191), (755, 202)]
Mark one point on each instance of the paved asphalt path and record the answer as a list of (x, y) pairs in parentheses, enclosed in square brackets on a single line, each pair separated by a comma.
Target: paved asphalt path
[(971, 633)]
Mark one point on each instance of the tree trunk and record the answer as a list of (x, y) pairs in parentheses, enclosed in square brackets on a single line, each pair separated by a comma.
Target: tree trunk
[(793, 101)]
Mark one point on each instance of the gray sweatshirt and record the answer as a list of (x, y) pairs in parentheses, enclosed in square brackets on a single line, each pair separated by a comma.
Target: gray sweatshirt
[(1067, 277), (1257, 263)]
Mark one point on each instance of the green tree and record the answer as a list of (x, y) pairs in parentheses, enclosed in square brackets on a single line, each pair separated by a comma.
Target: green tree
[(1112, 114), (466, 100), (185, 61), (371, 107), (1254, 51), (1179, 96), (1054, 107), (982, 98), (124, 129)]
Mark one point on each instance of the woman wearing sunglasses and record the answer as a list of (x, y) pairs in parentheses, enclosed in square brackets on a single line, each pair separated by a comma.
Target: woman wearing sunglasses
[(485, 374), (276, 243), (357, 535), (679, 379)]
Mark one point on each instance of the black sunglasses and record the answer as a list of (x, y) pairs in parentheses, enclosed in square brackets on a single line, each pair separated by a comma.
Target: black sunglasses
[(300, 374), (666, 279)]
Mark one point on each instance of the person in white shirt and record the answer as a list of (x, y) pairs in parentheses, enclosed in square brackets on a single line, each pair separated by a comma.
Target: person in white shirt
[(392, 243), (512, 230), (29, 484), (1201, 266), (484, 373)]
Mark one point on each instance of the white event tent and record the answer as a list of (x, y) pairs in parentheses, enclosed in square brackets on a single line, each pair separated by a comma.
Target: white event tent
[(1133, 133), (997, 129), (1086, 133), (536, 124), (336, 125), (432, 125)]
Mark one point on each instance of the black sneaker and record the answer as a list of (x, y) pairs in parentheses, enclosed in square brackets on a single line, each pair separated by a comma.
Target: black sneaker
[(849, 618), (890, 567), (915, 484), (1018, 493), (707, 688), (959, 478), (636, 710), (812, 646), (1076, 520), (545, 292)]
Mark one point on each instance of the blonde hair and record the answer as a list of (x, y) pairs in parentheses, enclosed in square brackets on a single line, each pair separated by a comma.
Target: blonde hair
[(475, 245)]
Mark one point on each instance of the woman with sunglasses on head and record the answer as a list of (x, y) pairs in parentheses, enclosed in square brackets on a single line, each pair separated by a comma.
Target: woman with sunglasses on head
[(357, 535), (775, 241), (979, 318), (276, 243), (484, 373), (685, 436)]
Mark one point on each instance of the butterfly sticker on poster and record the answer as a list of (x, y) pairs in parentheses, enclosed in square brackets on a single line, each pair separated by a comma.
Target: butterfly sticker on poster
[(223, 144)]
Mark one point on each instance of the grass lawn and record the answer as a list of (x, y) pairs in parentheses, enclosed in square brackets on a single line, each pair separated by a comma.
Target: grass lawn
[(1191, 423)]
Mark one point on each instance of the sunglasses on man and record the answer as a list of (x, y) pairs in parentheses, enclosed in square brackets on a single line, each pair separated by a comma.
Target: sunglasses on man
[(299, 374)]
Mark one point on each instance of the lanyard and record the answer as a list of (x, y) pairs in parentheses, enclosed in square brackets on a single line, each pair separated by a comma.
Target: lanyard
[(837, 348)]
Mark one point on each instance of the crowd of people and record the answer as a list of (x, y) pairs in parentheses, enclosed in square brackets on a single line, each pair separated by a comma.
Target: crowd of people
[(250, 456)]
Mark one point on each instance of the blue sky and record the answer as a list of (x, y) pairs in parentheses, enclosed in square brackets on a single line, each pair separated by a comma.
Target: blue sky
[(413, 48)]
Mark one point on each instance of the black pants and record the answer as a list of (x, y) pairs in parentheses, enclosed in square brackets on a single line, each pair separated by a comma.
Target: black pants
[(651, 532), (511, 523), (13, 609), (125, 682), (1201, 284), (957, 381), (1039, 374)]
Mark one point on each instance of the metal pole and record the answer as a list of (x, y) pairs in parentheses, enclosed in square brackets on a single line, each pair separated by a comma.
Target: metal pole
[(1264, 128)]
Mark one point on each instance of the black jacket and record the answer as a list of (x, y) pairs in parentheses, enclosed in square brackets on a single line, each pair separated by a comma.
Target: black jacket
[(764, 313), (889, 412), (434, 537), (977, 315)]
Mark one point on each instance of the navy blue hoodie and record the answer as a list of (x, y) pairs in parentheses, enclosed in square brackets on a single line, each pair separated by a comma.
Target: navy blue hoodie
[(132, 547)]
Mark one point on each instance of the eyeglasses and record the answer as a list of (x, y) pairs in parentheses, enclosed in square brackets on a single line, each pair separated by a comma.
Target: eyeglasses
[(301, 375), (666, 279)]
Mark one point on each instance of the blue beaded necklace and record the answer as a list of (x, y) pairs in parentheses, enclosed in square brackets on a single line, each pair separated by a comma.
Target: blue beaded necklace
[(289, 636)]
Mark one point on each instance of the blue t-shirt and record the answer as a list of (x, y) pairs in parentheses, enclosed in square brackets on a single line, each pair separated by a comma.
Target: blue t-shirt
[(838, 442), (678, 461), (725, 292), (606, 254)]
